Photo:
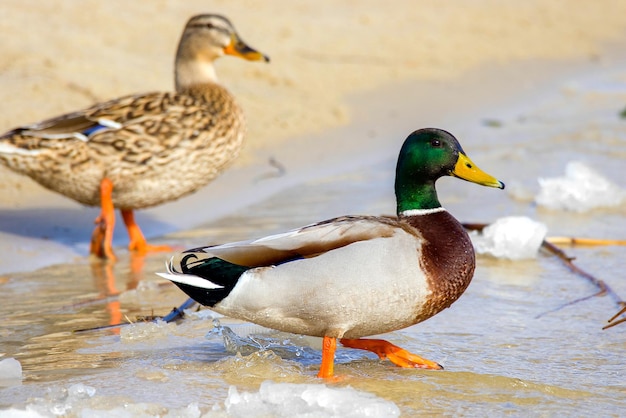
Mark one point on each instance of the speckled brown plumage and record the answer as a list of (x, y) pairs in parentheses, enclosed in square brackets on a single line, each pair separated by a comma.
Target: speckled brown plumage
[(169, 145)]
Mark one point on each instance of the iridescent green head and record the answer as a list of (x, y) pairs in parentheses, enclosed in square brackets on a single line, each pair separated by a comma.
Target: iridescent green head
[(426, 155)]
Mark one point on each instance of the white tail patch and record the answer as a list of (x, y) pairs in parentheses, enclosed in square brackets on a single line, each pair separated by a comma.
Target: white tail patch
[(188, 279)]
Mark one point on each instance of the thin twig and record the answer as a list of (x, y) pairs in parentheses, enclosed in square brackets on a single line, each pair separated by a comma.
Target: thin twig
[(621, 312), (603, 289), (570, 303), (475, 227), (277, 165), (174, 314), (584, 241), (101, 327), (600, 284)]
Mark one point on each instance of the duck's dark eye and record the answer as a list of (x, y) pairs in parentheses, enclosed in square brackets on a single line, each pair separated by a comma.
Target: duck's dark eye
[(435, 143), (210, 26)]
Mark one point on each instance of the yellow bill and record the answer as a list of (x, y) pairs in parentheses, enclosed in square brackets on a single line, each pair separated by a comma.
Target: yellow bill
[(239, 48), (465, 169)]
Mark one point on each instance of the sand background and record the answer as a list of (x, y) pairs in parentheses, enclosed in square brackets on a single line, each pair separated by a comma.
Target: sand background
[(331, 62)]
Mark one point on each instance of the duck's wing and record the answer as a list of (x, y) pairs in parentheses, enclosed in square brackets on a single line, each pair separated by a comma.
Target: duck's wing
[(117, 124), (306, 242), (83, 124), (209, 274)]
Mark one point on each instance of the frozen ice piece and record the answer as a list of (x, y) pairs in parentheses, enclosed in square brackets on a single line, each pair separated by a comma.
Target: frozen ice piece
[(580, 190), (141, 331), (10, 369), (512, 237), (293, 400)]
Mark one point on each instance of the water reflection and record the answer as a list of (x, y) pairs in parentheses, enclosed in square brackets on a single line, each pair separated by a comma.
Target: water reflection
[(126, 293), (104, 281)]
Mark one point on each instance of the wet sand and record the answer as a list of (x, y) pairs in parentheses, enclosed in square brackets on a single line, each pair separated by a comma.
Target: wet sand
[(347, 82)]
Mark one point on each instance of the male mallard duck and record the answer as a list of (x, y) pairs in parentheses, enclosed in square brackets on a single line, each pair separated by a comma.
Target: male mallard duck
[(142, 150), (351, 276)]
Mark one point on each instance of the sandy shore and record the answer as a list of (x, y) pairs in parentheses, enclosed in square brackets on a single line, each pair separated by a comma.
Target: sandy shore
[(327, 57)]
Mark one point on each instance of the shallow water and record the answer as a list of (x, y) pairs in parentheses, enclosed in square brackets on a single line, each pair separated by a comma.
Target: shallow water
[(506, 346)]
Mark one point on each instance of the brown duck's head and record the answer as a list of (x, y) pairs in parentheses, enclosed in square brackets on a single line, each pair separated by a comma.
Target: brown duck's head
[(210, 36)]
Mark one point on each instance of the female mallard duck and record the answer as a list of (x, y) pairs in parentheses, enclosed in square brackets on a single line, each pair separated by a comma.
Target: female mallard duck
[(142, 150), (352, 276)]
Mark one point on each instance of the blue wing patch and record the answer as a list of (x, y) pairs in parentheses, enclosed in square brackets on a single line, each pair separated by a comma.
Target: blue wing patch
[(93, 129)]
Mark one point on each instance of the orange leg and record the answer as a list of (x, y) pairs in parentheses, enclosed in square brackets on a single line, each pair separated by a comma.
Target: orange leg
[(386, 350), (329, 345), (137, 240), (102, 236)]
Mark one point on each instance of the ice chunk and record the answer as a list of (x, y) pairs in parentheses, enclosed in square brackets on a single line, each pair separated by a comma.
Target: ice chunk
[(512, 237), (202, 314), (10, 371), (79, 391), (79, 400), (141, 331), (21, 413), (581, 189), (272, 400), (304, 400)]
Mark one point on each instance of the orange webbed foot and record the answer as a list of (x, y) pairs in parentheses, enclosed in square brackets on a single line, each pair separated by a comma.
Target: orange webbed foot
[(138, 242), (97, 245), (385, 350), (142, 247)]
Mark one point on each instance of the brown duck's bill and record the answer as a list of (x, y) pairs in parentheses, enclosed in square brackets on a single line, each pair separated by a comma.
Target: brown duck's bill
[(238, 48), (465, 169)]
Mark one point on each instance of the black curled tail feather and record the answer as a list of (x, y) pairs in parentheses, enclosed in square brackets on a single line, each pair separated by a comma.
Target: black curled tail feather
[(215, 270)]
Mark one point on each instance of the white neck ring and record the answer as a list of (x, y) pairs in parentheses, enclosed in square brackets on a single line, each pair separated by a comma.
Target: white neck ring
[(418, 212)]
